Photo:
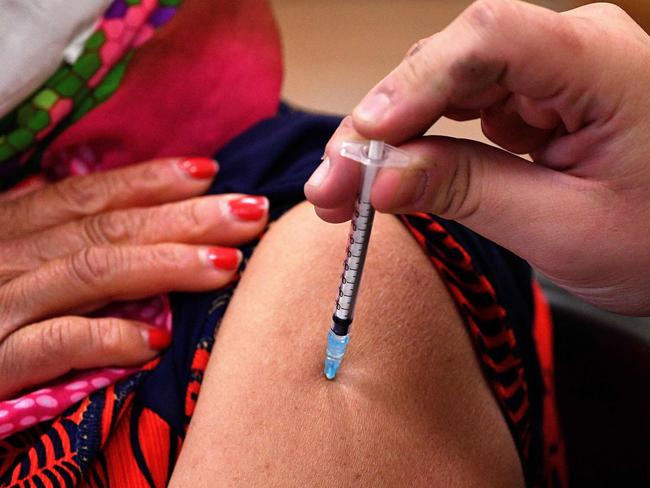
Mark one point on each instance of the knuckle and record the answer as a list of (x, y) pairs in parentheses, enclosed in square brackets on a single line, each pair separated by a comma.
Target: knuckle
[(83, 194), (111, 227), (149, 174), (478, 65), (55, 336), (596, 21), (608, 10), (165, 256), (93, 265), (415, 48), (487, 15), (105, 336), (188, 217), (459, 201), (414, 70)]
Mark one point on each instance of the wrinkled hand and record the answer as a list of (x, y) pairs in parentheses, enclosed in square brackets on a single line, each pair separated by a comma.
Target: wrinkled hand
[(569, 89), (71, 247)]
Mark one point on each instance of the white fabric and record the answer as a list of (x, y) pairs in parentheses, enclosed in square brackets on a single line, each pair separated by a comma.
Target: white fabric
[(35, 36)]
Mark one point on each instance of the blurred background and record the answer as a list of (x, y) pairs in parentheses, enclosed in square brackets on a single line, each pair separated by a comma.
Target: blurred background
[(335, 51)]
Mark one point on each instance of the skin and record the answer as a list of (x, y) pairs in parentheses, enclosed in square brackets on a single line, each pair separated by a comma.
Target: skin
[(74, 246), (409, 406), (138, 231), (569, 90)]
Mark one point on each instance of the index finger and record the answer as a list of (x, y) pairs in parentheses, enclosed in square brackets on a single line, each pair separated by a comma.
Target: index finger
[(524, 48), (142, 185)]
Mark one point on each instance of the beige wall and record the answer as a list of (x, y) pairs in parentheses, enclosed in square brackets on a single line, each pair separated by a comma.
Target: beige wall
[(335, 50)]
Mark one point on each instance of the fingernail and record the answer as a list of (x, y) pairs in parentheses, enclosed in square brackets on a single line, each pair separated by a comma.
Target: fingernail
[(198, 168), (222, 258), (249, 208), (29, 183), (318, 177), (373, 107), (158, 339)]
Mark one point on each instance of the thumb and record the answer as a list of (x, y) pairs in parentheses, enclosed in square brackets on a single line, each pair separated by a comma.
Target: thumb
[(41, 352), (492, 48), (530, 209)]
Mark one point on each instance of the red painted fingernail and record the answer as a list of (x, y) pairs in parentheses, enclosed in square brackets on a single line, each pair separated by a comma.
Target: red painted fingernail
[(199, 168), (30, 182), (158, 339), (224, 258), (249, 208)]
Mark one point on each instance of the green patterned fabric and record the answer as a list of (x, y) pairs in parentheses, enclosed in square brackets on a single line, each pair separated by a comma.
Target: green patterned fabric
[(76, 89)]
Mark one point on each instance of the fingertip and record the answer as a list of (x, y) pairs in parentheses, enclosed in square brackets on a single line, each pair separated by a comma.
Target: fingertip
[(319, 176), (311, 193), (339, 187), (316, 180), (225, 259), (198, 168), (155, 338), (335, 215), (318, 196), (249, 208)]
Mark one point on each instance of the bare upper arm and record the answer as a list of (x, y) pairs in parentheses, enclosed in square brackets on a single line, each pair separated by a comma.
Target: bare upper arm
[(409, 406)]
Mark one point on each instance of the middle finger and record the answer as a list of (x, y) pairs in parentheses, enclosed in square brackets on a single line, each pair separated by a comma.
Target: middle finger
[(225, 220)]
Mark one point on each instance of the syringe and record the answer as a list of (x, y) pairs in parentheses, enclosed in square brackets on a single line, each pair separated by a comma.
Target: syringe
[(373, 156), (355, 257)]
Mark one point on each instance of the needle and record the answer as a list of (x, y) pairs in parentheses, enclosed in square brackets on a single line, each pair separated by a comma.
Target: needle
[(361, 227)]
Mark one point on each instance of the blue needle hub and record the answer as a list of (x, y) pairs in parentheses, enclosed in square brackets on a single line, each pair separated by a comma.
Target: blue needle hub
[(336, 346)]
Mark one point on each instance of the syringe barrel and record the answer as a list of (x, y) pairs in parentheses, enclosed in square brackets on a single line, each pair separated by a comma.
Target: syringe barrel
[(355, 256)]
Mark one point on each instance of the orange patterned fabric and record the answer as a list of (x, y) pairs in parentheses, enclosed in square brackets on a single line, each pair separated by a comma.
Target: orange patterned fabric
[(498, 350)]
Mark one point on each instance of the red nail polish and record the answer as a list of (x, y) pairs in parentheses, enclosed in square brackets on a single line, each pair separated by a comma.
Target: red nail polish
[(29, 182), (224, 258), (159, 339), (199, 168), (249, 208)]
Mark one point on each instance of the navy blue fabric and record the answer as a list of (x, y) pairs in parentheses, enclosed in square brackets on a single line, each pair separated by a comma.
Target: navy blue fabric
[(274, 159)]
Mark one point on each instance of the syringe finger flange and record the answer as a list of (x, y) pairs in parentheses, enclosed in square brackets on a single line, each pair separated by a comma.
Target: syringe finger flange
[(390, 157)]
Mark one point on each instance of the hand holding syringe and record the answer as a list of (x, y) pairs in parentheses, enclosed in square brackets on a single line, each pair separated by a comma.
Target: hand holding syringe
[(373, 156)]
